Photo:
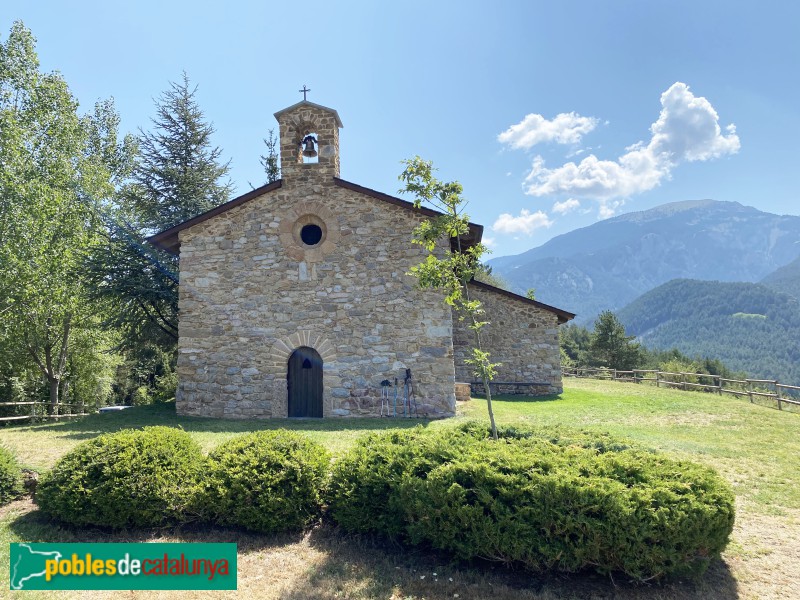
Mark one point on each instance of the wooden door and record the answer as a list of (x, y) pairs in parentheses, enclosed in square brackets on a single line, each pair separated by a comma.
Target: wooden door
[(304, 377)]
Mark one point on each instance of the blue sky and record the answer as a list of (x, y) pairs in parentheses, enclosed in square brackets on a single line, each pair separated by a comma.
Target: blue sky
[(551, 114)]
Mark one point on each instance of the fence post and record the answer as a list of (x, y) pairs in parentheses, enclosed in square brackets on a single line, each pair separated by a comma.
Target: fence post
[(658, 378), (778, 395), (719, 384), (750, 389), (683, 381)]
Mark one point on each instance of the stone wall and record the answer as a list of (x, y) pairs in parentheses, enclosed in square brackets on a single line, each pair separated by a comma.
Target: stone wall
[(511, 388), (251, 292), (521, 336)]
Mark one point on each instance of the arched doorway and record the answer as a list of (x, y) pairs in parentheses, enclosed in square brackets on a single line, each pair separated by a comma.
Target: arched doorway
[(304, 378)]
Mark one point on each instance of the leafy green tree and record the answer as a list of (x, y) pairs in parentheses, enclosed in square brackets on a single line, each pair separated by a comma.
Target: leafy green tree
[(678, 366), (449, 268), (58, 169), (610, 347)]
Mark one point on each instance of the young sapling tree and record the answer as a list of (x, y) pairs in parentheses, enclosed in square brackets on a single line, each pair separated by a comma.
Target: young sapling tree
[(449, 266)]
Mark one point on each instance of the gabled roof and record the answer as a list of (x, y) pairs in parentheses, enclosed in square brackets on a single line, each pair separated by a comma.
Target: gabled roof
[(563, 315), (168, 239), (313, 105)]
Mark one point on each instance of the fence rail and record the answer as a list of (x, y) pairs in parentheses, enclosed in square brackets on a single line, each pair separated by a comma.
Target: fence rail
[(778, 393), (47, 411)]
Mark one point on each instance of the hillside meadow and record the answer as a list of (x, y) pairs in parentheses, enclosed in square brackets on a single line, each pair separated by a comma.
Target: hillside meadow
[(753, 447)]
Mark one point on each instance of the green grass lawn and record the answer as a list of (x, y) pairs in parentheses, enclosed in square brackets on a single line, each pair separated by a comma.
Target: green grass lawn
[(755, 448), (39, 446)]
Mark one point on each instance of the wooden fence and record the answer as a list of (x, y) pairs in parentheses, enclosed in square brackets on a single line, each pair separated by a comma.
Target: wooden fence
[(42, 410), (777, 393)]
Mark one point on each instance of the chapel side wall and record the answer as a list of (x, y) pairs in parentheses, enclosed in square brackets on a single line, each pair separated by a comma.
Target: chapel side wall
[(521, 336), (250, 295)]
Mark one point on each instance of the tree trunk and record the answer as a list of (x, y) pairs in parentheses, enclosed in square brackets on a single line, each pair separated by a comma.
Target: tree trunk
[(65, 395), (487, 387), (53, 408)]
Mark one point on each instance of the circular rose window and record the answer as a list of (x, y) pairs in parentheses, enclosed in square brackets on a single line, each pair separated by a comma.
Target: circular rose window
[(311, 234), (309, 231)]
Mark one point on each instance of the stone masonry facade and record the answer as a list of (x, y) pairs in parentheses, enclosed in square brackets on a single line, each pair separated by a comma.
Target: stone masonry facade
[(251, 292), (248, 298), (254, 289), (522, 335)]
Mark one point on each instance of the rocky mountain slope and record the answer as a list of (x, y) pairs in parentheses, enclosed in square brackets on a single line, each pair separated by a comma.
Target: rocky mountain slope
[(609, 264)]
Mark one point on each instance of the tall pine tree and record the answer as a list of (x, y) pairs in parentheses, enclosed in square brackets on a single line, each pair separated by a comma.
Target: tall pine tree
[(270, 160), (610, 347), (178, 175)]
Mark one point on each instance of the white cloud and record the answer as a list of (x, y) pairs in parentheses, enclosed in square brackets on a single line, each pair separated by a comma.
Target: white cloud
[(687, 130), (489, 242), (565, 207), (566, 128), (608, 209), (527, 222)]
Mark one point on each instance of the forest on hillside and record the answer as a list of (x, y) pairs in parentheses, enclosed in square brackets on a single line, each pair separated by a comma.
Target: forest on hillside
[(747, 326), (786, 279)]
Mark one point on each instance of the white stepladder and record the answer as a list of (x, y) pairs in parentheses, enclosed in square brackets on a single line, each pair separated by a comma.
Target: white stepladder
[(385, 385)]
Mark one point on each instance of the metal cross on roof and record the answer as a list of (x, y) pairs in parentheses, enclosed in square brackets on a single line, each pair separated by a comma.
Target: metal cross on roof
[(305, 90)]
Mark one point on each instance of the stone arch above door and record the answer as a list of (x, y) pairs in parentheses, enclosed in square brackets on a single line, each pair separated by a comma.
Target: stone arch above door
[(282, 349), (277, 361)]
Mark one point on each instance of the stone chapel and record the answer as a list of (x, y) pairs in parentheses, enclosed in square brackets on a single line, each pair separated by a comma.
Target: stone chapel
[(294, 299)]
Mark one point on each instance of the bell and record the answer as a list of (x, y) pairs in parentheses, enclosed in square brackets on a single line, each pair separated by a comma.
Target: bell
[(309, 150)]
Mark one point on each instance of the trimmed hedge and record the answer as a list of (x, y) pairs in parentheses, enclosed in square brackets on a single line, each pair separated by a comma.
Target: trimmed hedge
[(131, 478), (266, 481), (11, 486), (548, 500)]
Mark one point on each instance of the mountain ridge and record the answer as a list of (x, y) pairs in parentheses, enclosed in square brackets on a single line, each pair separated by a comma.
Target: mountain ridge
[(608, 264)]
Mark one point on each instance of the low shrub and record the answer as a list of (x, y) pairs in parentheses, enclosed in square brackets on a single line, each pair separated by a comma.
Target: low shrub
[(363, 492), (131, 478), (10, 477), (267, 481), (548, 500)]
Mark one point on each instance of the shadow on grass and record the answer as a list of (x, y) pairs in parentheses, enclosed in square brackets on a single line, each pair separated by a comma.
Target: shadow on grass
[(34, 526), (380, 569), (325, 563), (164, 414), (516, 398)]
